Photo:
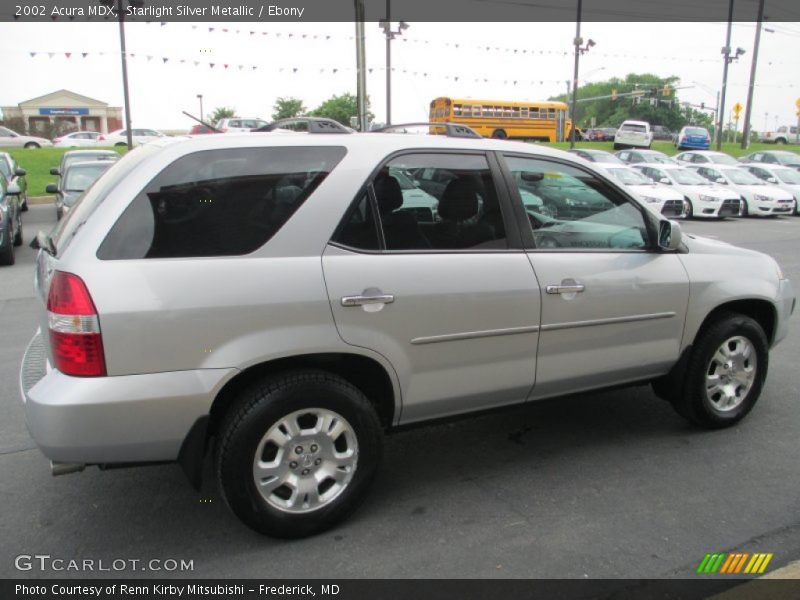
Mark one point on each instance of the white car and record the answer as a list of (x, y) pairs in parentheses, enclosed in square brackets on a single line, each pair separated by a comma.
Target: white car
[(633, 134), (11, 139), (77, 139), (706, 157), (759, 198), (703, 199), (660, 198), (239, 124), (138, 136), (632, 157), (786, 178)]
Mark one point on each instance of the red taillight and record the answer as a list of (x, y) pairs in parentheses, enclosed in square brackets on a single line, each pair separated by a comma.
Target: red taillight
[(56, 140), (75, 337)]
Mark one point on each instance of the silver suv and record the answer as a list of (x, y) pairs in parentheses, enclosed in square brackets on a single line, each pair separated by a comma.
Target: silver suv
[(275, 295)]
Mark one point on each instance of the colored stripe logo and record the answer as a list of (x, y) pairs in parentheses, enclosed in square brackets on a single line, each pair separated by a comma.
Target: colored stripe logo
[(735, 563)]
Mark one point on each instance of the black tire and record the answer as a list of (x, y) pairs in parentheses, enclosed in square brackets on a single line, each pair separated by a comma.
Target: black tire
[(118, 144), (689, 209), (692, 402), (499, 134), (780, 141), (32, 145), (18, 236), (617, 146), (745, 210), (7, 255), (261, 407), (24, 205)]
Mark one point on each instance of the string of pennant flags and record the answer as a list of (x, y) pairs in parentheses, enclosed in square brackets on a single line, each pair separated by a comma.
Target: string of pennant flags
[(315, 70)]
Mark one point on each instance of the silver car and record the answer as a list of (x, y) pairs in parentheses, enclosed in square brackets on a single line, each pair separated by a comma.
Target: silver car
[(270, 293)]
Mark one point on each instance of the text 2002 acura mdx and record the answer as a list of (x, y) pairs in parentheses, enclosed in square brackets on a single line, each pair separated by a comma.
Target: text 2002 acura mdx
[(272, 292)]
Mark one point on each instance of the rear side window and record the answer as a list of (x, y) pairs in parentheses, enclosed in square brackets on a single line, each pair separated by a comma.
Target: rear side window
[(218, 202)]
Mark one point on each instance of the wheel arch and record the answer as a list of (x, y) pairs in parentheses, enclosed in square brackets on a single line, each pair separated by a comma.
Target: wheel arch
[(761, 311)]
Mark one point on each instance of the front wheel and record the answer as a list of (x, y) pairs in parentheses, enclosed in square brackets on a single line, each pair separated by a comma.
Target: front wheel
[(24, 205), (725, 372), (18, 236), (298, 452), (689, 209), (499, 134), (32, 145), (7, 255), (745, 209)]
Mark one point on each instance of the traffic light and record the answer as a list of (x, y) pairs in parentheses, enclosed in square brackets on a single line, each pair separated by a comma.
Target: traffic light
[(613, 94), (666, 91)]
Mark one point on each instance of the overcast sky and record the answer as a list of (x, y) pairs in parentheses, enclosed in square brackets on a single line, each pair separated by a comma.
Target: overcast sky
[(312, 61)]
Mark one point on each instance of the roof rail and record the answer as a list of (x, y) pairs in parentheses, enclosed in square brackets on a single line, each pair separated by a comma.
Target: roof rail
[(451, 129), (313, 125)]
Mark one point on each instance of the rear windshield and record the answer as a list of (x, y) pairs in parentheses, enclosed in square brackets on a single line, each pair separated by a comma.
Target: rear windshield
[(696, 131), (79, 178), (67, 227), (633, 127), (218, 202), (630, 177)]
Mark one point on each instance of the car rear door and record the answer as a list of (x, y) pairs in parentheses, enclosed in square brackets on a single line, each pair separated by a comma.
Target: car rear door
[(453, 305), (613, 306)]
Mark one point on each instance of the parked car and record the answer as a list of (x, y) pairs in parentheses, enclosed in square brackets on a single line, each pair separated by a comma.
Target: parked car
[(77, 178), (598, 156), (693, 137), (599, 134), (77, 139), (72, 156), (10, 221), (633, 157), (703, 199), (785, 178), (633, 134), (660, 198), (759, 199), (15, 175), (201, 129), (120, 137), (661, 133), (158, 343), (239, 124), (702, 157), (773, 157), (12, 139), (785, 134)]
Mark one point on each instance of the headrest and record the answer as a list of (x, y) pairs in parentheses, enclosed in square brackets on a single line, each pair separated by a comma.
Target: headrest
[(460, 200), (388, 193)]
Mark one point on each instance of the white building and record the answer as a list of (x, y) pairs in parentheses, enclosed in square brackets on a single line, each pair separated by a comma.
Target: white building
[(68, 111)]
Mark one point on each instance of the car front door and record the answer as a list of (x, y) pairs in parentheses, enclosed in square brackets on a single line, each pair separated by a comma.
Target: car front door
[(613, 305), (453, 305)]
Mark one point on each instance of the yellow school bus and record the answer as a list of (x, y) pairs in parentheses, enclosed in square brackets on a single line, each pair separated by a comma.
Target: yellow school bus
[(504, 119)]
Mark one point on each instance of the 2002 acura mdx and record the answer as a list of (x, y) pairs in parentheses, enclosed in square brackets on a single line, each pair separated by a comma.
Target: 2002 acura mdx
[(271, 292)]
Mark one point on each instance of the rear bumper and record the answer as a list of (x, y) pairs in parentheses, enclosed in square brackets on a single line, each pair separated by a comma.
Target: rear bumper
[(100, 420)]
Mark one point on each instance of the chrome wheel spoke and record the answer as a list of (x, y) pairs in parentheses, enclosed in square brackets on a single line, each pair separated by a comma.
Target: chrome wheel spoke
[(731, 373)]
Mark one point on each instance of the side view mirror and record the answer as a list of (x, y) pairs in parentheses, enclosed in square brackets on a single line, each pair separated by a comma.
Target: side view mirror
[(54, 171), (20, 172), (669, 235), (772, 180), (13, 190), (51, 188), (721, 180), (665, 181)]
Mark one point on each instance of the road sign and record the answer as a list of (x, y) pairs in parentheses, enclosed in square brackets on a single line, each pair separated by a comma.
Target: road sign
[(737, 109)]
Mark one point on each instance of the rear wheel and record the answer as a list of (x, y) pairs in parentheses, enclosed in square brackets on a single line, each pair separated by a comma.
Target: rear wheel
[(18, 236), (725, 372), (7, 253), (499, 134), (298, 452), (32, 145), (24, 204), (745, 209)]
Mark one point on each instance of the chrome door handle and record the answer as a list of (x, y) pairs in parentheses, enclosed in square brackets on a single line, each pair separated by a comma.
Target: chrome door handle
[(362, 300), (576, 288)]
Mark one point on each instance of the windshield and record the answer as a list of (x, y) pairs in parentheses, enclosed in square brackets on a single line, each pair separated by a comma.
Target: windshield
[(741, 177), (80, 177), (686, 177), (787, 158), (633, 127), (788, 176), (630, 177), (723, 159)]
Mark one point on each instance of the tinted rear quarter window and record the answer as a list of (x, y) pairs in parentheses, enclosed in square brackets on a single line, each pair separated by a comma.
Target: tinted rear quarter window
[(218, 202)]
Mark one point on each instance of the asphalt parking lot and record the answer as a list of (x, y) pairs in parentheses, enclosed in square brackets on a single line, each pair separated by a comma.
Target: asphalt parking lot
[(602, 485)]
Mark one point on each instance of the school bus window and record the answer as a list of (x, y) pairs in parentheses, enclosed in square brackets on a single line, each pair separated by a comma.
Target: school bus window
[(457, 110), (523, 112), (476, 111), (534, 113), (515, 112)]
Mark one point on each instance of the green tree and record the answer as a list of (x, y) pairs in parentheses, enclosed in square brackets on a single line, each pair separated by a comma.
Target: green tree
[(286, 108), (657, 110), (340, 108), (222, 112)]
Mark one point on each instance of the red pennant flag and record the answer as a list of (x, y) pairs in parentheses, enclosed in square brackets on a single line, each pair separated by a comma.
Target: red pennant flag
[(210, 29), (67, 54), (226, 65)]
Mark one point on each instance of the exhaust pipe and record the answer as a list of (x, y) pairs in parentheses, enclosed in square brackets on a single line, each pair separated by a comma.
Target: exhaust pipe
[(61, 468)]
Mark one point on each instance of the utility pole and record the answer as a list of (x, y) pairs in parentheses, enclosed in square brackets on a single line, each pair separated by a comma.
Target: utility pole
[(361, 69), (726, 51), (577, 42), (200, 97), (751, 88), (121, 14), (388, 31)]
